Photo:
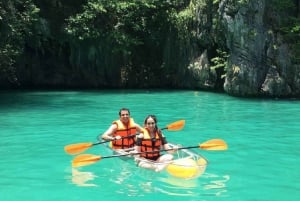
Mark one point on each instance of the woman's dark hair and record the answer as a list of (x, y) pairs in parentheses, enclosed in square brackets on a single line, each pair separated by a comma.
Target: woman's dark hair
[(156, 127), (152, 117)]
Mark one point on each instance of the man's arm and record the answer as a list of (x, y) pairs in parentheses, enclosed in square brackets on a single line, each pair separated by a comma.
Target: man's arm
[(107, 135)]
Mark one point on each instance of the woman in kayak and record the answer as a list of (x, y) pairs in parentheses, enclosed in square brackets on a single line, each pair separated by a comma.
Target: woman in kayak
[(152, 143)]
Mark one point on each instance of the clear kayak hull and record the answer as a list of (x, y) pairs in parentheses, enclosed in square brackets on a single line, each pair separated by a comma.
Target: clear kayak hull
[(185, 164)]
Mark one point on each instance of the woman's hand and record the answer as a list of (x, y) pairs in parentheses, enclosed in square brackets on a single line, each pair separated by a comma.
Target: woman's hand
[(140, 135), (133, 152)]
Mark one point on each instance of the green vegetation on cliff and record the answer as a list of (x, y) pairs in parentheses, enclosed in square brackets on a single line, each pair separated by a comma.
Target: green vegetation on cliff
[(122, 43)]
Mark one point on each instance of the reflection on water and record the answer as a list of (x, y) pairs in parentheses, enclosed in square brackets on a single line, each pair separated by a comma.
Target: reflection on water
[(182, 183), (81, 178), (216, 185), (123, 176), (178, 187), (136, 182), (207, 184)]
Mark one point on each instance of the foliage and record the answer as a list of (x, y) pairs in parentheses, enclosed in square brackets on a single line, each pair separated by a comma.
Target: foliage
[(220, 61), (136, 29), (288, 24), (124, 23), (144, 32), (184, 19), (16, 19)]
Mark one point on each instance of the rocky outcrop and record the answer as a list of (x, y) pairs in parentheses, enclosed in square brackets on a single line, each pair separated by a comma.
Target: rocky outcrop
[(260, 62), (203, 76), (255, 59)]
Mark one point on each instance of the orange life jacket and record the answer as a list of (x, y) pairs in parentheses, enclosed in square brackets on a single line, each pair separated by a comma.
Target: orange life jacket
[(149, 144), (127, 133)]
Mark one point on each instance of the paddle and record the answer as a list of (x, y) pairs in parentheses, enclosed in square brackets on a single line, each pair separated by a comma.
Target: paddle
[(81, 147), (88, 159), (175, 126)]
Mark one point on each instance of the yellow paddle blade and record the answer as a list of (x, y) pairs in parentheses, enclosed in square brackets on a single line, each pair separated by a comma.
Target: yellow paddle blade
[(175, 126), (77, 148), (214, 144), (85, 159)]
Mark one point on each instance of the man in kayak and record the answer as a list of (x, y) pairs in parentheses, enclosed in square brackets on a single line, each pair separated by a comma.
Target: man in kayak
[(123, 131), (151, 144)]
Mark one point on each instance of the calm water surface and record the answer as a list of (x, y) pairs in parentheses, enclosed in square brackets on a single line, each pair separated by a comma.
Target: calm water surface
[(261, 163)]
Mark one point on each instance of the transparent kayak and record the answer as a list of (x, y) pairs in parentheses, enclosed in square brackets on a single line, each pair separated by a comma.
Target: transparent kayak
[(186, 164)]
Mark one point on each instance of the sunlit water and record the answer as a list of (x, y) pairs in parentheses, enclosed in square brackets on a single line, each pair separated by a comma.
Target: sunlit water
[(261, 163)]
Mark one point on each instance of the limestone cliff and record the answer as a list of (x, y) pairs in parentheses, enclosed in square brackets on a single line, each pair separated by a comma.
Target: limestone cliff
[(245, 48), (261, 60)]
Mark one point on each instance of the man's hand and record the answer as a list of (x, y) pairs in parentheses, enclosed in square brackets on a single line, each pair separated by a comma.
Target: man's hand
[(117, 137)]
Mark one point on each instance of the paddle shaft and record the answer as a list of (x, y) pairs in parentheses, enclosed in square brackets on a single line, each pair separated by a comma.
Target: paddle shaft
[(215, 144), (87, 159), (177, 125), (101, 142), (147, 152), (80, 147)]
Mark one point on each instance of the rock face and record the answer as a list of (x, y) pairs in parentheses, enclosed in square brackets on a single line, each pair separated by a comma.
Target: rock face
[(260, 62), (203, 76), (246, 37)]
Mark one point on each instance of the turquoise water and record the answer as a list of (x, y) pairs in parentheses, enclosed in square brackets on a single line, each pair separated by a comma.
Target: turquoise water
[(261, 163)]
